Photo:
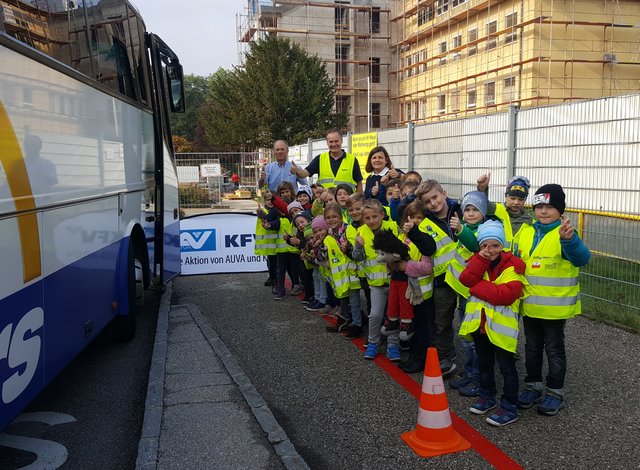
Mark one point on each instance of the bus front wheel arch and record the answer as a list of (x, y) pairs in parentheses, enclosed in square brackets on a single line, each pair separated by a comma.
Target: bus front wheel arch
[(124, 325)]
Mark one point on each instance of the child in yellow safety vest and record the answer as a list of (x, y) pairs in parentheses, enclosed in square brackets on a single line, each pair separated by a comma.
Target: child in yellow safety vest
[(495, 279), (552, 252), (343, 272), (373, 214), (267, 227), (474, 210)]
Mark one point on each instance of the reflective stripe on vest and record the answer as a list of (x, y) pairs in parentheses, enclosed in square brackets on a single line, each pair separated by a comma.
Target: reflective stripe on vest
[(266, 240), (445, 247), (554, 288), (344, 175), (501, 321), (285, 229), (377, 273), (455, 268)]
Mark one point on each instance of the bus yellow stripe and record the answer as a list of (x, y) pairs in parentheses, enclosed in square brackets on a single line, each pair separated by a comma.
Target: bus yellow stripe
[(20, 187)]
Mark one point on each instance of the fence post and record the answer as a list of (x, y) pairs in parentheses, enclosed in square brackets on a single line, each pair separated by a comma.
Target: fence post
[(511, 140), (309, 150), (410, 145)]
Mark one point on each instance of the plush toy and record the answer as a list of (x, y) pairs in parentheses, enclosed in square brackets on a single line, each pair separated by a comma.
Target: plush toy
[(390, 250)]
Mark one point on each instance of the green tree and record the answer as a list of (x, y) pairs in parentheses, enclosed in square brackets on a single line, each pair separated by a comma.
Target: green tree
[(281, 93), (188, 124)]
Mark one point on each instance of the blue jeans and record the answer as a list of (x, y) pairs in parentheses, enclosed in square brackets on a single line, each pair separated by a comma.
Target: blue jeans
[(548, 336), (471, 369), (319, 286), (488, 353)]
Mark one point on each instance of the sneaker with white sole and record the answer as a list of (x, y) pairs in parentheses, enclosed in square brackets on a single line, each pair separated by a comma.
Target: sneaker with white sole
[(447, 367), (406, 331), (393, 352), (503, 416), (390, 327), (297, 290), (551, 404), (371, 351), (529, 397), (482, 405)]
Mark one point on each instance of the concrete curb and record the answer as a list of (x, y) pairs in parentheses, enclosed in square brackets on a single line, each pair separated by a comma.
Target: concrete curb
[(276, 435), (150, 436)]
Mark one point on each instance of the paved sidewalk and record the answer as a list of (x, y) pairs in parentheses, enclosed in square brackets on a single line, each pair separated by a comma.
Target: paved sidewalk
[(202, 411)]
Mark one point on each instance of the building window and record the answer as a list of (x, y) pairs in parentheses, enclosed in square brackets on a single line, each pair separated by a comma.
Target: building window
[(423, 57), (509, 89), (492, 29), (442, 49), (442, 103), (457, 42), (489, 93), (374, 24), (408, 111), (455, 101), (443, 7), (510, 21), (472, 36), (409, 70), (423, 108), (472, 97), (342, 17), (374, 73), (342, 74), (455, 3), (375, 115), (425, 14), (342, 104)]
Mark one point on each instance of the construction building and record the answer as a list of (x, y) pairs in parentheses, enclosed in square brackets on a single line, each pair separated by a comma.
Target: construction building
[(456, 58), (351, 37)]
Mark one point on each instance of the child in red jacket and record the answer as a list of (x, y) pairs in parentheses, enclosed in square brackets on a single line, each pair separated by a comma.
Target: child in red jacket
[(495, 279)]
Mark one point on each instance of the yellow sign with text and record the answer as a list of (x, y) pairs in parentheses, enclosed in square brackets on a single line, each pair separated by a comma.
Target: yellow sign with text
[(361, 145)]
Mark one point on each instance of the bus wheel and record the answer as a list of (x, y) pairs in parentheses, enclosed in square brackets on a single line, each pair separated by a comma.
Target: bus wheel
[(124, 326)]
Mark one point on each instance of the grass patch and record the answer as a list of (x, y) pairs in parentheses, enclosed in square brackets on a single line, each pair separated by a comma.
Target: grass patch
[(611, 289)]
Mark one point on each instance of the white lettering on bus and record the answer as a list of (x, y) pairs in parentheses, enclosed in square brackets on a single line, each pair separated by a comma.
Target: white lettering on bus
[(21, 350)]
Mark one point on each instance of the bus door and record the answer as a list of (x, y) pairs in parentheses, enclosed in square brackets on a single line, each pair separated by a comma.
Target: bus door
[(168, 96)]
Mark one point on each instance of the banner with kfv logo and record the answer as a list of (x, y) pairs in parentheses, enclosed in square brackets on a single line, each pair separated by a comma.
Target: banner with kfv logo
[(219, 243)]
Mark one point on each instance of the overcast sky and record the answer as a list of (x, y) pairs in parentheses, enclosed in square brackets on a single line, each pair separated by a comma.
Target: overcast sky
[(201, 32)]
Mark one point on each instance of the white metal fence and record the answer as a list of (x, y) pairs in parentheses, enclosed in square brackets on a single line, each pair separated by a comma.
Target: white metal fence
[(591, 148)]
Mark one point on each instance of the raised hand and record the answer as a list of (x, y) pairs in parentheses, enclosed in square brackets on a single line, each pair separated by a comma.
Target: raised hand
[(455, 223), (359, 240), (343, 245), (396, 193), (406, 228), (566, 230), (294, 168), (483, 181), (393, 173)]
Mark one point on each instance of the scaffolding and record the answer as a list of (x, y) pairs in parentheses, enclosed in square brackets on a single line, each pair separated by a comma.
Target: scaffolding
[(351, 37), (455, 58)]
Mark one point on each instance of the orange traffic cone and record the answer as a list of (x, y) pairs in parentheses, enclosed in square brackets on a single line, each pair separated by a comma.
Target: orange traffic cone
[(434, 433)]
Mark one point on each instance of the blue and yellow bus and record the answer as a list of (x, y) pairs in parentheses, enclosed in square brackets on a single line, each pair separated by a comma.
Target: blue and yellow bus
[(88, 187)]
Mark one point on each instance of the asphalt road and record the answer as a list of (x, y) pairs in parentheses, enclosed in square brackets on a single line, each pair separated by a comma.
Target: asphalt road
[(341, 411), (100, 398)]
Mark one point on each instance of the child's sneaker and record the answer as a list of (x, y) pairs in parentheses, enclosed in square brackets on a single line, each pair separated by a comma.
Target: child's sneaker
[(390, 327), (551, 404), (447, 366), (503, 416), (279, 295), (353, 332), (406, 331), (297, 290), (338, 326), (529, 397), (393, 352), (482, 405), (371, 351), (270, 282), (405, 346), (314, 306), (472, 389), (459, 381), (326, 310)]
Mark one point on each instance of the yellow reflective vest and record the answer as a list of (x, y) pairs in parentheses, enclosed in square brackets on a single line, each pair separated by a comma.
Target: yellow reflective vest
[(266, 240), (376, 273), (285, 229), (455, 267), (445, 247), (345, 173), (553, 290), (502, 213), (501, 321), (339, 277)]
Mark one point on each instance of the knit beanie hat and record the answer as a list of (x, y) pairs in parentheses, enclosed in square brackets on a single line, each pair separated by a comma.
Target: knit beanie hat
[(477, 199), (294, 205), (518, 186), (551, 194), (491, 230), (303, 188), (319, 222), (304, 215), (308, 231)]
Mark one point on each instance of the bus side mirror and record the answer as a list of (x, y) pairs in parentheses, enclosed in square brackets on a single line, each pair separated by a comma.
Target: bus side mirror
[(176, 87)]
